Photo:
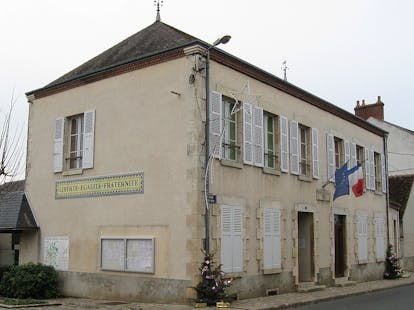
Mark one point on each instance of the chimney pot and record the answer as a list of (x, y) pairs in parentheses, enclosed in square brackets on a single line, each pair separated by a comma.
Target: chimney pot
[(363, 101), (357, 103)]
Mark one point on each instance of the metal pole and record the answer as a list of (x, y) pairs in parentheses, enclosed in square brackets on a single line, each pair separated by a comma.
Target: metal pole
[(387, 194)]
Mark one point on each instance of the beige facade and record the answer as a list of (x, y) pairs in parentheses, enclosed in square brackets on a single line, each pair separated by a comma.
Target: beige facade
[(151, 121)]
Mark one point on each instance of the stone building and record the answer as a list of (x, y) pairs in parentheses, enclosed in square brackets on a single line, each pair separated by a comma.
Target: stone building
[(135, 115)]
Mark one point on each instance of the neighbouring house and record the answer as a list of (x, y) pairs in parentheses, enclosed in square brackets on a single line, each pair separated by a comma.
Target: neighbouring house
[(15, 218), (400, 145), (116, 176)]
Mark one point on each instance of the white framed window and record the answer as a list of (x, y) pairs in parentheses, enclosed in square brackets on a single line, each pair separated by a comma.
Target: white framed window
[(74, 142), (362, 238), (305, 150), (127, 254), (231, 238), (230, 130), (272, 258), (271, 145), (339, 153)]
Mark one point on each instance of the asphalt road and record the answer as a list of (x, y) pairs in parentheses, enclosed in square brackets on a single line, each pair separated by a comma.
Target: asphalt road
[(401, 298)]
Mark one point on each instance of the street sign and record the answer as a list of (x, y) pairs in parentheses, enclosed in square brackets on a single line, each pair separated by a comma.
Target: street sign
[(211, 198)]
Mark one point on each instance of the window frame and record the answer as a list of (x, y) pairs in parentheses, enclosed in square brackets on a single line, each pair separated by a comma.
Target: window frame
[(274, 160), (124, 241), (229, 144), (339, 149), (74, 154), (305, 157), (378, 171)]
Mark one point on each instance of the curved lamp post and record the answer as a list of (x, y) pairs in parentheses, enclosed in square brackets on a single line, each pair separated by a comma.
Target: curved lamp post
[(221, 40)]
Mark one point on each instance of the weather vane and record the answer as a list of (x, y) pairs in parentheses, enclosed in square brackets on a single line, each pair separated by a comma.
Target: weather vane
[(284, 69), (158, 4)]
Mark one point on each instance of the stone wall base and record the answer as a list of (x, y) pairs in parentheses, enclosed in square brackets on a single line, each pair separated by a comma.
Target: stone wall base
[(408, 263), (120, 287), (367, 272)]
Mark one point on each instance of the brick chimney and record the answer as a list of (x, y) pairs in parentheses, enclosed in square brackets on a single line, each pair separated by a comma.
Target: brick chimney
[(375, 110)]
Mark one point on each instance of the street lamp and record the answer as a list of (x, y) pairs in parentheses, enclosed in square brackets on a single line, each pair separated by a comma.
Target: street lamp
[(221, 40)]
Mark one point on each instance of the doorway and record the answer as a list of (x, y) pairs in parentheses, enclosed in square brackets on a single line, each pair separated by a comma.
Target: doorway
[(305, 247), (340, 245)]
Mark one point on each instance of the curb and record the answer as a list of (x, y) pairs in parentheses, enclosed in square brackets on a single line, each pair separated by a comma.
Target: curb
[(333, 297)]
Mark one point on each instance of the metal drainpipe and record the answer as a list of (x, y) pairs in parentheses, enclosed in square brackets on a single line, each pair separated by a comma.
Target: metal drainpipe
[(387, 194), (207, 145)]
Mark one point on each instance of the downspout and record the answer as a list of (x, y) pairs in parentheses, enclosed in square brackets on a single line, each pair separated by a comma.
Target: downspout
[(207, 155), (387, 194)]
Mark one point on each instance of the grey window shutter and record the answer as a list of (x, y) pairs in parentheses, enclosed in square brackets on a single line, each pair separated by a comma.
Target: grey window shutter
[(58, 145), (379, 238), (215, 117), (315, 153), (258, 149), (330, 145), (284, 144), (294, 147), (362, 238), (88, 139), (247, 134)]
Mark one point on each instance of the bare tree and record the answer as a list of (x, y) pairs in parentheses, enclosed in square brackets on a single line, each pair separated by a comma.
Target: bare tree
[(11, 146)]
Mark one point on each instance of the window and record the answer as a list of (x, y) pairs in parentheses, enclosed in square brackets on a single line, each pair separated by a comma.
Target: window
[(339, 153), (271, 153), (362, 238), (74, 142), (304, 163), (128, 254), (378, 172), (230, 130), (271, 239), (232, 238)]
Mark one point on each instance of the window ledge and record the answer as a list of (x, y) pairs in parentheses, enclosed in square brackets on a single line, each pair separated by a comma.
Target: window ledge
[(230, 163), (272, 271), (304, 178), (380, 260), (271, 171), (234, 274), (72, 172), (362, 261), (379, 193)]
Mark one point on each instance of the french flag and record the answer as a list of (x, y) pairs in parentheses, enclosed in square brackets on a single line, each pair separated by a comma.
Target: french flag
[(356, 180), (346, 179)]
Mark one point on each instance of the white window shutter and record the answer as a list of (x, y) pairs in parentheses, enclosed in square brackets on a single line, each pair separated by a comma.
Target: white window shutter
[(258, 145), (237, 236), (315, 153), (284, 144), (383, 174), (367, 169), (347, 153), (294, 147), (277, 249), (372, 169), (247, 134), (362, 238), (267, 239), (226, 238), (353, 159), (330, 146), (58, 144), (379, 238), (215, 120), (271, 239), (88, 139)]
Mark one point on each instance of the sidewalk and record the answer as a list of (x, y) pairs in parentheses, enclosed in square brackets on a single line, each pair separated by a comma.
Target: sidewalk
[(282, 301)]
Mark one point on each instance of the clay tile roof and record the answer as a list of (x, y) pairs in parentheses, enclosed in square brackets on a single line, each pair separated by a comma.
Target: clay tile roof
[(156, 38)]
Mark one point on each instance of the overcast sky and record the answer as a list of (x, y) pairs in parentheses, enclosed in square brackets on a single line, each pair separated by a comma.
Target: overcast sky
[(341, 51)]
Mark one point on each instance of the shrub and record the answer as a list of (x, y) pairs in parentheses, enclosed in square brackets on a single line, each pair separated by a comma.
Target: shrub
[(30, 281)]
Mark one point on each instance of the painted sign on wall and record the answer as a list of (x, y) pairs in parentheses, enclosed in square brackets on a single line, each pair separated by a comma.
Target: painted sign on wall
[(131, 183)]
